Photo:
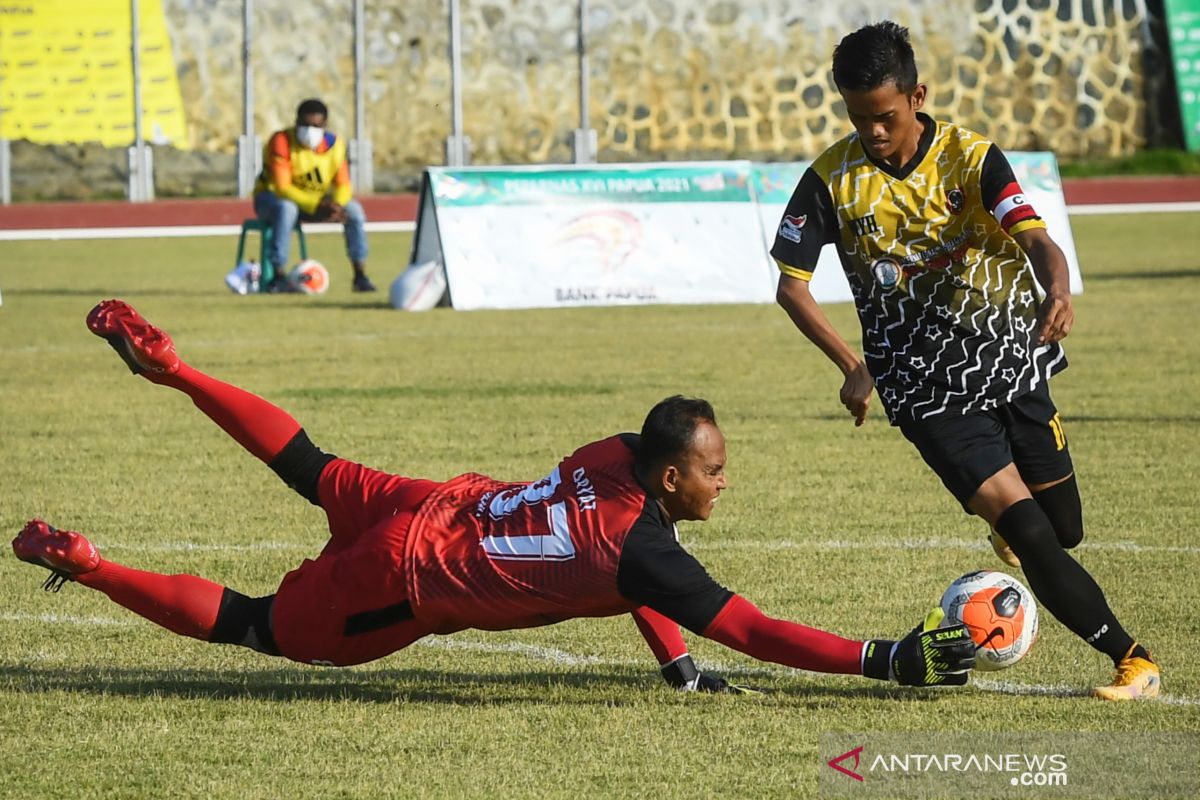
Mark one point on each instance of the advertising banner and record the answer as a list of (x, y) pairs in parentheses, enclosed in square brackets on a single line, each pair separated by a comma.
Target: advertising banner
[(569, 236), (1183, 24)]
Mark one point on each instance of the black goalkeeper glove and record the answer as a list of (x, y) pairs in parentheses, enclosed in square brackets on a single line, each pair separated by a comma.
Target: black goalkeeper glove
[(928, 656), (683, 675)]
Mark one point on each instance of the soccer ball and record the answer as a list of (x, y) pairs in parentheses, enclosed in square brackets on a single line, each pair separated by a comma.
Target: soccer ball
[(310, 277), (998, 611)]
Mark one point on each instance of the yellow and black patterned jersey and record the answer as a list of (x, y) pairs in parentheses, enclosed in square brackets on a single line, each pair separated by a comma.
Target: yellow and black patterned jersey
[(945, 296)]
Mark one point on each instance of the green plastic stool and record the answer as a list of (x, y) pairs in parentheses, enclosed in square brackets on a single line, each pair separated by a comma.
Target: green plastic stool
[(266, 233)]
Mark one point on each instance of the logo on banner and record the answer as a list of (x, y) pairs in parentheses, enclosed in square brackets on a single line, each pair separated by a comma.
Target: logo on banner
[(610, 235), (710, 183), (792, 228)]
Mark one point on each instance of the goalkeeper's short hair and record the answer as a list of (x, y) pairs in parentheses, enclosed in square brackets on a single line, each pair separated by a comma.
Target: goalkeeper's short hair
[(670, 428)]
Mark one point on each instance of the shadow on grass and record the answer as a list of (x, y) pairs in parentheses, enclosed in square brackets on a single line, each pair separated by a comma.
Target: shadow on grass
[(1071, 419), (1131, 418), (529, 687), (109, 291), (365, 305), (1163, 274), (473, 392)]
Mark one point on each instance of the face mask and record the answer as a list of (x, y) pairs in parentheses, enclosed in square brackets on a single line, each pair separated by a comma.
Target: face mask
[(309, 136)]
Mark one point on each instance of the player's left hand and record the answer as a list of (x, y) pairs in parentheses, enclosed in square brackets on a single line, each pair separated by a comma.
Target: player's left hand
[(856, 393), (1055, 318), (933, 656), (682, 674), (928, 656)]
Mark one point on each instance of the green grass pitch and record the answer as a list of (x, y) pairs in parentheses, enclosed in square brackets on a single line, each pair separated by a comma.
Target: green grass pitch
[(823, 523)]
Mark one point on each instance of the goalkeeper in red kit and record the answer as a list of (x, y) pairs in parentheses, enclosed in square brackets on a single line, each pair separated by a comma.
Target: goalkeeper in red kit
[(408, 557)]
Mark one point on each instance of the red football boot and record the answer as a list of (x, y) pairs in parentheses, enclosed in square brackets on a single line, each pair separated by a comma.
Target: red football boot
[(144, 347), (65, 553)]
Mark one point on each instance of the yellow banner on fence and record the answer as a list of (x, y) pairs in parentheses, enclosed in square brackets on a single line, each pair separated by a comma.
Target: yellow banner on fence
[(66, 73)]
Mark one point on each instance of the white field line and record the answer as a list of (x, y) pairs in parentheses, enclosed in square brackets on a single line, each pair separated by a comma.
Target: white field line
[(1132, 208), (916, 544), (70, 619), (561, 657), (697, 544), (203, 547), (171, 231), (174, 231)]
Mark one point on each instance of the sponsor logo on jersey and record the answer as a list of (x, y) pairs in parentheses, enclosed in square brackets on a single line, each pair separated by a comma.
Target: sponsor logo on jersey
[(886, 271), (938, 257), (956, 200), (792, 228), (864, 225)]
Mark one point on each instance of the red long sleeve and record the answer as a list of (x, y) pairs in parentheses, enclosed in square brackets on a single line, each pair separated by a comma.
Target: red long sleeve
[(661, 633), (743, 627)]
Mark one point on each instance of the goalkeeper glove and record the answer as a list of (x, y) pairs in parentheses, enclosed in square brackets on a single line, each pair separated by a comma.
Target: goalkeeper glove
[(683, 675), (928, 656)]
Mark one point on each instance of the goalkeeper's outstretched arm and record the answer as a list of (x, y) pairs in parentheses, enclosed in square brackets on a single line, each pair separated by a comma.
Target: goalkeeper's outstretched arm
[(928, 656)]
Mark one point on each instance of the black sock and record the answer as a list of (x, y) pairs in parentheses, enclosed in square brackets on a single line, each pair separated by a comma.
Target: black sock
[(245, 621), (300, 464), (1059, 582), (1063, 508)]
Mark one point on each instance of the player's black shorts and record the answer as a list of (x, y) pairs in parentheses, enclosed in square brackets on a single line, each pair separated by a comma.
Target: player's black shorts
[(967, 449)]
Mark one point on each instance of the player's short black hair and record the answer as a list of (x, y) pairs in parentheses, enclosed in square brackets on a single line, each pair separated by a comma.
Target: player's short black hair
[(873, 56), (670, 428), (312, 106)]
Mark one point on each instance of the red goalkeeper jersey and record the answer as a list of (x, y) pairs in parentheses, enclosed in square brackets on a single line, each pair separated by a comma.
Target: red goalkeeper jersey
[(494, 555)]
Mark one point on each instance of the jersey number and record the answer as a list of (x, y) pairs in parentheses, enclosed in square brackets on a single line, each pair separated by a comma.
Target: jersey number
[(556, 545)]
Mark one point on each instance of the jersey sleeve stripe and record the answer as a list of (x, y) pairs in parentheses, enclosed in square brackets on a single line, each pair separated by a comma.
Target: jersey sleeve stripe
[(1026, 225), (794, 272)]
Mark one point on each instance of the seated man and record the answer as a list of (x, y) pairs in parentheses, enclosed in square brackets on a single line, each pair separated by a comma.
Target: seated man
[(409, 557), (306, 176)]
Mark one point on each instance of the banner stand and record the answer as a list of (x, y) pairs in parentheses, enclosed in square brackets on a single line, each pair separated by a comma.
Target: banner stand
[(423, 284)]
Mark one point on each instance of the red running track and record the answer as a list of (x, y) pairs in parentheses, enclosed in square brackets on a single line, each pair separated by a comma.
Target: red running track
[(215, 211), (1105, 191), (403, 207)]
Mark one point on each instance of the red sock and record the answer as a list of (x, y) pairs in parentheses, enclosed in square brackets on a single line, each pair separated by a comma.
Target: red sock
[(184, 604), (257, 425)]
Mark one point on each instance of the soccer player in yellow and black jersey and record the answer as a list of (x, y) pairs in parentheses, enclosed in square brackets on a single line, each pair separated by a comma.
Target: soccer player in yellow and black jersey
[(936, 239), (306, 176)]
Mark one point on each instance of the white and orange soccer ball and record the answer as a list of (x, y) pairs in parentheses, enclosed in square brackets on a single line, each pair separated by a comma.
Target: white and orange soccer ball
[(999, 612), (310, 277)]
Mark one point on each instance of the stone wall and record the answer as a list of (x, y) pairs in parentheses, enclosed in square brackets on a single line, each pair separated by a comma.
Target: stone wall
[(94, 172), (670, 79)]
